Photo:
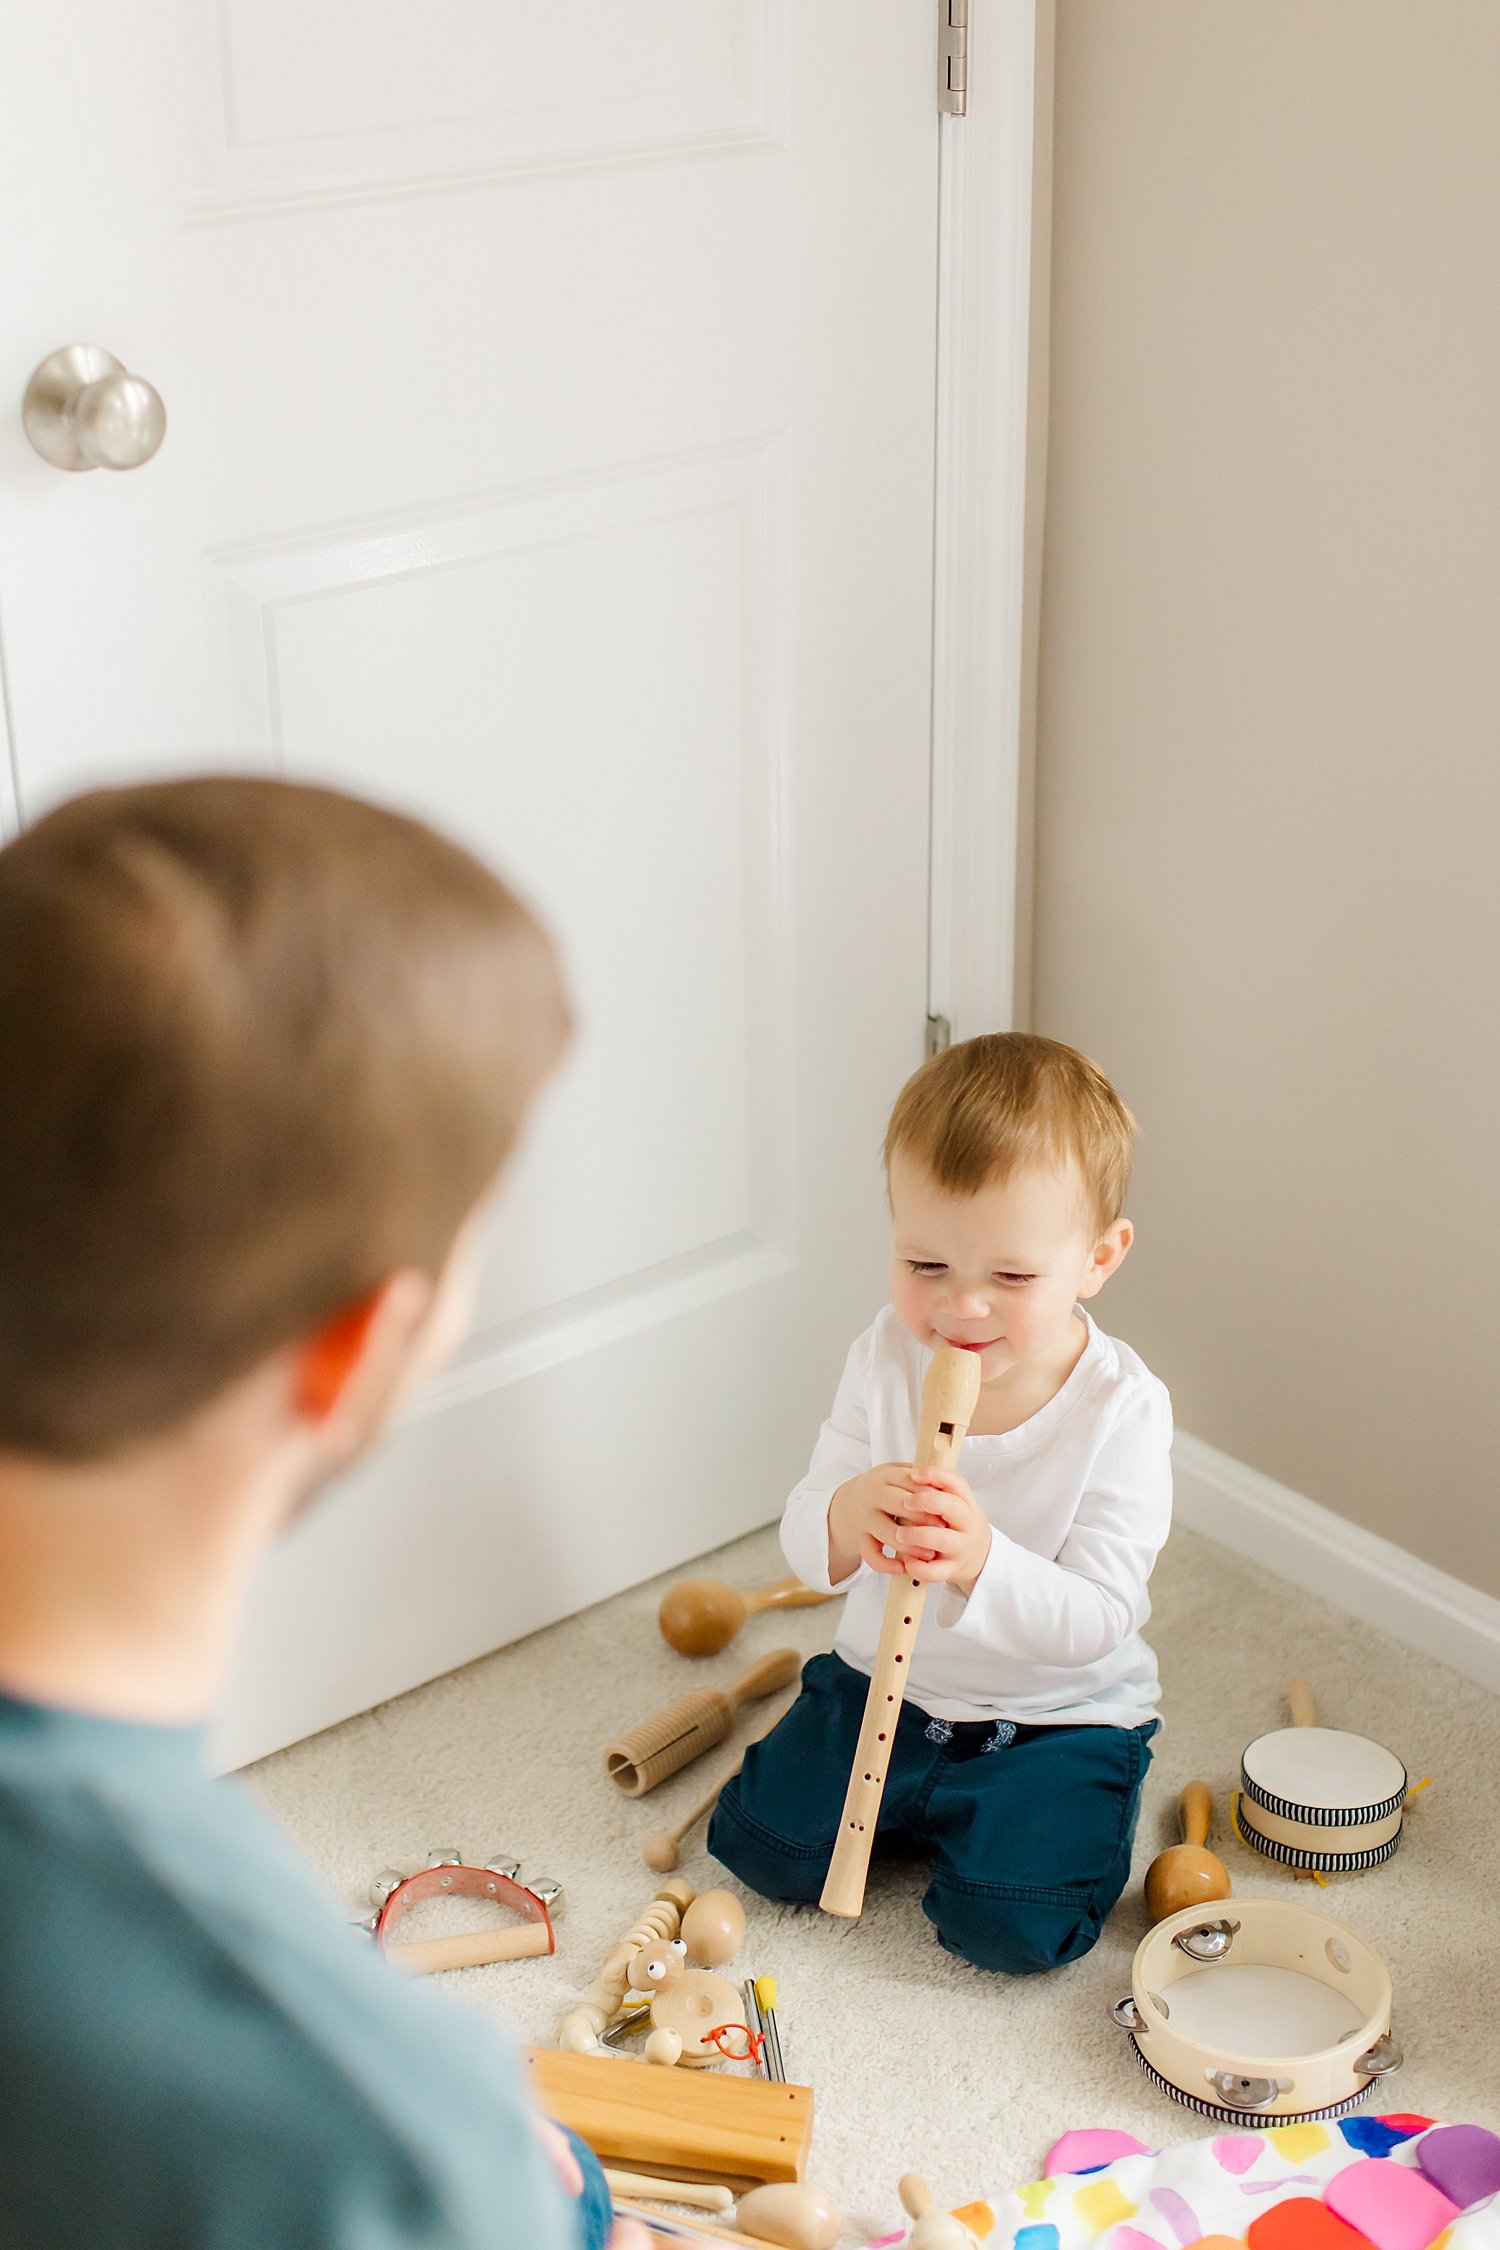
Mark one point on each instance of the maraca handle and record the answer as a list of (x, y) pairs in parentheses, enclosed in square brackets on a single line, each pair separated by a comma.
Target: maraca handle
[(787, 1593), (1196, 1805)]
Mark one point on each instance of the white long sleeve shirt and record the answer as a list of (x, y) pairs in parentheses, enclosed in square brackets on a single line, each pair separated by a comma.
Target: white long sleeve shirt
[(1080, 1498)]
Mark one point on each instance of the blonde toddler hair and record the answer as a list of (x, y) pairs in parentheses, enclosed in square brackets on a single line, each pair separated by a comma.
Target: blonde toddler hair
[(1011, 1101)]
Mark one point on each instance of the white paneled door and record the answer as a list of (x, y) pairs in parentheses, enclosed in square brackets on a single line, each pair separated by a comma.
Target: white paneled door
[(549, 449)]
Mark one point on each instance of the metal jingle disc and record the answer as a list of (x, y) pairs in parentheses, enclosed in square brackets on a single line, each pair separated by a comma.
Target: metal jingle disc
[(1250, 2119)]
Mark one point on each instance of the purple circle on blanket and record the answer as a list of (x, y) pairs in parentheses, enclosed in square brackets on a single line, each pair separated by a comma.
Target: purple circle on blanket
[(1462, 2161)]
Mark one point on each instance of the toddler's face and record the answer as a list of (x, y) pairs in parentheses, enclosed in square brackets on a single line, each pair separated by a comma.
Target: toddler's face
[(999, 1270)]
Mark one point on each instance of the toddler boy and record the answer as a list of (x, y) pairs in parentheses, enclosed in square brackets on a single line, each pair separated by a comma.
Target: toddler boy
[(1024, 1738)]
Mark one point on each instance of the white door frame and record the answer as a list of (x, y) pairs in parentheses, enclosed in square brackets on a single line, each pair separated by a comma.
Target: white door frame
[(992, 186)]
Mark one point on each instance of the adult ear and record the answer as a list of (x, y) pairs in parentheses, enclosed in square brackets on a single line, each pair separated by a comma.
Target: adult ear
[(328, 1361), (1108, 1255)]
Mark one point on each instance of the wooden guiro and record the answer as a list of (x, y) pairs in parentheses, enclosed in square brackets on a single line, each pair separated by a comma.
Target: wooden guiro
[(699, 1616), (950, 1391), (696, 1722), (1185, 1874)]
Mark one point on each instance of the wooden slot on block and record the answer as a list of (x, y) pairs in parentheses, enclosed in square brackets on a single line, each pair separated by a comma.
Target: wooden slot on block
[(690, 2125)]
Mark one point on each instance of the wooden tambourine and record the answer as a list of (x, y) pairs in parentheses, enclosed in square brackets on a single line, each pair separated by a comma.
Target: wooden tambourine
[(1269, 2012), (1317, 1799)]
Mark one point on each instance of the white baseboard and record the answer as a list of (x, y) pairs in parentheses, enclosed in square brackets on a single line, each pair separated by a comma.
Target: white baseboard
[(1368, 1577)]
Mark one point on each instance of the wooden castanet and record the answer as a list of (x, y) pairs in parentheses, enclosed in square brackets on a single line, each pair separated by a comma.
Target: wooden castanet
[(472, 1949), (697, 1722), (702, 2124), (700, 1616), (950, 1390), (1185, 1874)]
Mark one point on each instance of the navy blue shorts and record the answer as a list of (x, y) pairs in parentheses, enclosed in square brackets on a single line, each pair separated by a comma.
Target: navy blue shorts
[(1029, 1829)]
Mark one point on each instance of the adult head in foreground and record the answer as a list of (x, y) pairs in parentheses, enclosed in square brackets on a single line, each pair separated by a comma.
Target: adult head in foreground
[(264, 1053)]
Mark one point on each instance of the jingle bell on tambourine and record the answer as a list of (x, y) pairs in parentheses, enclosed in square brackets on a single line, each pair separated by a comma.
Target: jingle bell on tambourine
[(448, 1875)]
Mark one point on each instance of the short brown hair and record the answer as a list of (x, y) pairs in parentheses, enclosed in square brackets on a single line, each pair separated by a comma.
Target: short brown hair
[(261, 1045), (1009, 1100)]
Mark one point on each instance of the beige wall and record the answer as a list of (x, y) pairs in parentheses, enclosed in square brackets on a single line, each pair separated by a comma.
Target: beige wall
[(1268, 754)]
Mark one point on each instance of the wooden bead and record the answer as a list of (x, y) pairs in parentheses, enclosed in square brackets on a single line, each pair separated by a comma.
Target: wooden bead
[(713, 1928)]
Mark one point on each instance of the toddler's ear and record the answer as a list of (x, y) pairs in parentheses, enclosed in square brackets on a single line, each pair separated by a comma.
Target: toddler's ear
[(1108, 1256)]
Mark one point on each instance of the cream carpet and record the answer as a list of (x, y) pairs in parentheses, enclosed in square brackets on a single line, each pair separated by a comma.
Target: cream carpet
[(917, 2060)]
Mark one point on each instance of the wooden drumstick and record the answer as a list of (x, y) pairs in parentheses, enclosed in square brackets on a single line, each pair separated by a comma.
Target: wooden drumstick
[(1186, 1874), (1300, 1702), (473, 1949), (673, 1738), (699, 1616), (698, 2195), (950, 1390), (660, 1850)]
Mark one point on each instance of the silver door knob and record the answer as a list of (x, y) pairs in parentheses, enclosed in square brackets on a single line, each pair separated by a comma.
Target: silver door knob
[(81, 410)]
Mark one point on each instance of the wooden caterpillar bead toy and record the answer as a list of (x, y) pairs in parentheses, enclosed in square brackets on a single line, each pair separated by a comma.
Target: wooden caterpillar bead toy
[(579, 2030), (692, 2009)]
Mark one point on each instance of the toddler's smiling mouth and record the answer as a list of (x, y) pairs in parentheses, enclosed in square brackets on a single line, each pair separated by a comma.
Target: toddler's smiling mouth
[(962, 1344)]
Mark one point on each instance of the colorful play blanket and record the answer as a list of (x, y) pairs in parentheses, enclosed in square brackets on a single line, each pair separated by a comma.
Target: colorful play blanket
[(1361, 2183)]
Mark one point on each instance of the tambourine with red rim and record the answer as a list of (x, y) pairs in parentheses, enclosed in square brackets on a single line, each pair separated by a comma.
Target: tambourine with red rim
[(448, 1875)]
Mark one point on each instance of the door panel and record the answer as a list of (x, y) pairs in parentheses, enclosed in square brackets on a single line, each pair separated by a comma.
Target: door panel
[(549, 451)]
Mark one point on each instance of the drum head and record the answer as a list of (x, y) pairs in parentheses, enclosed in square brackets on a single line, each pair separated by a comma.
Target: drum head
[(1323, 1776), (1260, 2011)]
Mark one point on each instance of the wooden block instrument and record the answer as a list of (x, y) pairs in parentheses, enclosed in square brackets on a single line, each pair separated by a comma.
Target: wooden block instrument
[(694, 1723), (699, 2124), (949, 1392)]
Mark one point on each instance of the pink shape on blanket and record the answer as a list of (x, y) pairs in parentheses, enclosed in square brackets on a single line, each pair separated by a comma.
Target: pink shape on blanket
[(1238, 2151), (1088, 2148), (1398, 2209)]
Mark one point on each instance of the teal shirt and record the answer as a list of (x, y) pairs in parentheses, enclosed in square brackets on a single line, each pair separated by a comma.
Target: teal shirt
[(196, 2054)]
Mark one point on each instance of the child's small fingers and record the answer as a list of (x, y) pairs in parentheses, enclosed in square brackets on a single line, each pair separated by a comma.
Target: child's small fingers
[(940, 1541), (946, 1480), (873, 1553)]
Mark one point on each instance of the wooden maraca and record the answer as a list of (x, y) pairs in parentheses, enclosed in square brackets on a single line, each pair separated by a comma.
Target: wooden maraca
[(1185, 1874), (791, 2213), (700, 1616)]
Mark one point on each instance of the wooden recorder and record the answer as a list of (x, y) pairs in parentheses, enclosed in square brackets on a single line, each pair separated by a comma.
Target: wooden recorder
[(949, 1392)]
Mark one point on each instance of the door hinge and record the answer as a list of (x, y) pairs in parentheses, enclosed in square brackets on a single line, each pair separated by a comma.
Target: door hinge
[(953, 57), (939, 1035)]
